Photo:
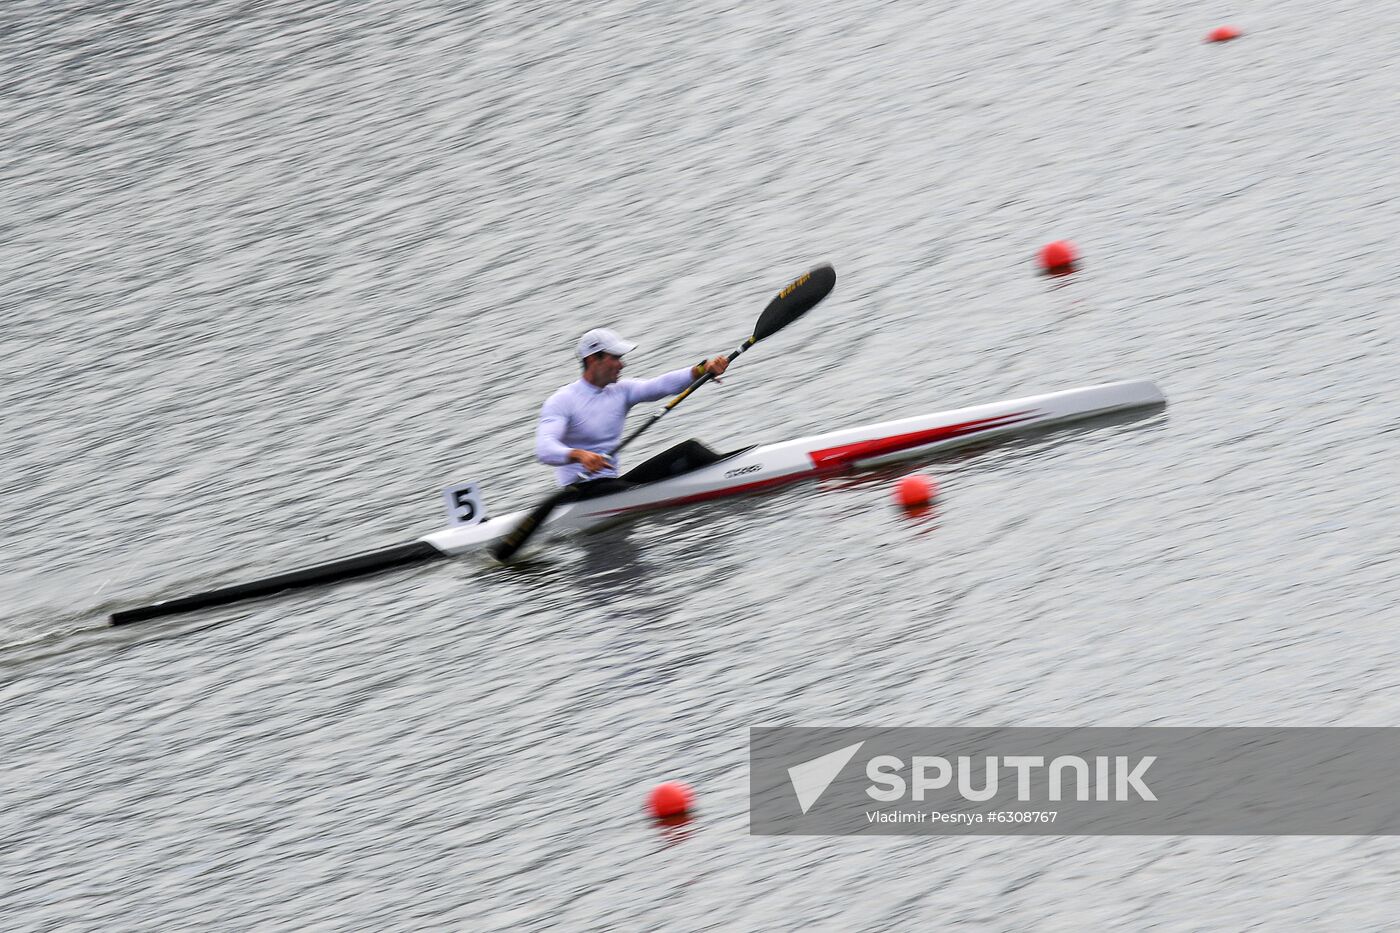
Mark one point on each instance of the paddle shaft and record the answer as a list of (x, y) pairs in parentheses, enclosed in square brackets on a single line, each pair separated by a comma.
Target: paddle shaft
[(703, 378)]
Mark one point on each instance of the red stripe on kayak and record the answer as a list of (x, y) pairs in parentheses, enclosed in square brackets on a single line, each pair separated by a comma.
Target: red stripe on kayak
[(835, 457)]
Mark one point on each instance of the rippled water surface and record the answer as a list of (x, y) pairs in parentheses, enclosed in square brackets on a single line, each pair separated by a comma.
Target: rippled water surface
[(272, 273)]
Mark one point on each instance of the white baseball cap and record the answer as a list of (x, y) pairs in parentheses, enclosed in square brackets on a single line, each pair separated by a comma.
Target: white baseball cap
[(602, 340)]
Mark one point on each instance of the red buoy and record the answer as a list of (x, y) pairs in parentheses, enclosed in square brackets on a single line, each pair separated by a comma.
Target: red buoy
[(670, 799), (915, 490), (1224, 34), (1058, 256)]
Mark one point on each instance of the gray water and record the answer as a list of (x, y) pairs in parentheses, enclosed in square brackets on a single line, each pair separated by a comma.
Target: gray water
[(271, 274)]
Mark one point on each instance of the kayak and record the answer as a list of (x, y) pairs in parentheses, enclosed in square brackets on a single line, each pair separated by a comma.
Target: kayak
[(742, 472), (756, 469)]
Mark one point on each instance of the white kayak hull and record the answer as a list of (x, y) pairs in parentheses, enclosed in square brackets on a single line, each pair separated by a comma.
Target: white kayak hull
[(770, 465)]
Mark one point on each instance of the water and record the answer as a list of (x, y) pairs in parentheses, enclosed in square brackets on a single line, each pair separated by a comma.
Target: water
[(273, 275)]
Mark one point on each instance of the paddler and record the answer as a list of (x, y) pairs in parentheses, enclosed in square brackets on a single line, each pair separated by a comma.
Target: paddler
[(581, 423)]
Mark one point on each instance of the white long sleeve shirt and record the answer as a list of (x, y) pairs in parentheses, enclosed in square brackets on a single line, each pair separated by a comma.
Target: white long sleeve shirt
[(583, 416)]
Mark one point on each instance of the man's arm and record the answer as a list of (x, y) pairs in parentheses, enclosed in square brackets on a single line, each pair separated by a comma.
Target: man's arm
[(550, 448), (549, 435), (672, 383), (649, 390)]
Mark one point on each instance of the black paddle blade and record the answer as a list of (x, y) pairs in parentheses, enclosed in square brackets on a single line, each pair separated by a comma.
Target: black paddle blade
[(505, 549), (795, 300)]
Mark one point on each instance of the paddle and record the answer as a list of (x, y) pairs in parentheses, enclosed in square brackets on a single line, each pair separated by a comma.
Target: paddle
[(791, 303)]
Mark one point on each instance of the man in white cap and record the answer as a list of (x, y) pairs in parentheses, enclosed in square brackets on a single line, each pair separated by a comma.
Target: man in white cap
[(581, 424)]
